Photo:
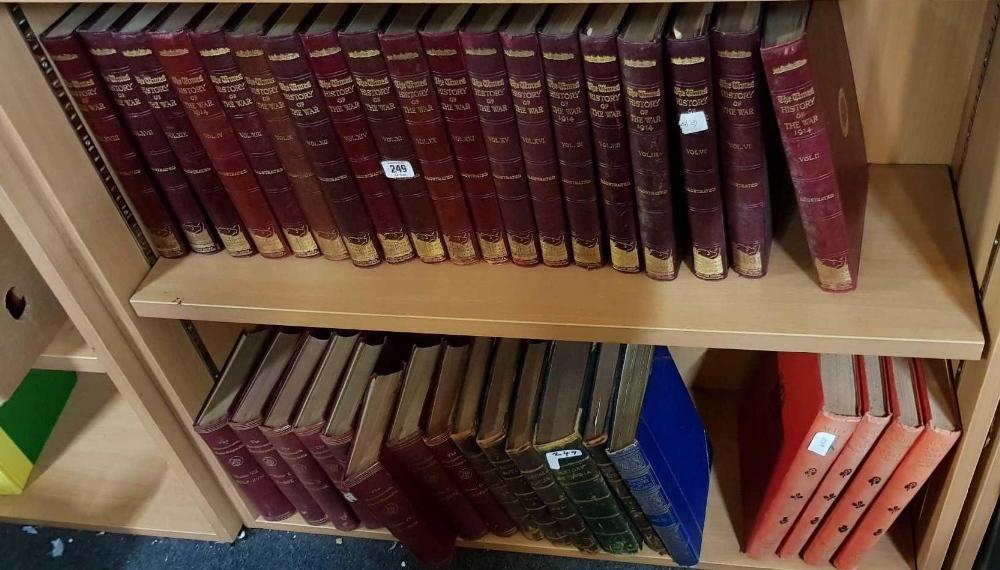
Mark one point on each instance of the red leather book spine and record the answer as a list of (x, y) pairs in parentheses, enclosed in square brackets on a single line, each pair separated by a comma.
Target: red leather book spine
[(348, 116), (643, 75), (740, 81), (432, 480), (410, 75), (378, 98), (183, 69), (312, 476), (279, 472), (574, 147), (488, 75), (334, 469), (611, 150), (134, 64), (458, 106), (694, 112), (244, 470), (70, 58), (523, 57), (465, 477), (380, 492)]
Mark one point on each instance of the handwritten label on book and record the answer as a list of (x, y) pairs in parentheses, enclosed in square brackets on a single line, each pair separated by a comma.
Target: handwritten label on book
[(350, 497), (398, 169), (553, 457), (821, 443), (694, 122)]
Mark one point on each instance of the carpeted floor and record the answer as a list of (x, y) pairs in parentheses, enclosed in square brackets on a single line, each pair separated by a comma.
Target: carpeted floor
[(258, 549)]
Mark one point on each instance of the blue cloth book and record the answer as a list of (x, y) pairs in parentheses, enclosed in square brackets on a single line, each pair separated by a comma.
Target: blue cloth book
[(662, 451)]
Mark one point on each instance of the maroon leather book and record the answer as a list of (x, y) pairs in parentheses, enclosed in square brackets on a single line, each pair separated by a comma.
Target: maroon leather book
[(564, 77), (523, 57), (599, 47), (694, 119), (812, 87), (411, 76), (359, 39), (488, 75), (458, 106), (740, 82), (643, 78)]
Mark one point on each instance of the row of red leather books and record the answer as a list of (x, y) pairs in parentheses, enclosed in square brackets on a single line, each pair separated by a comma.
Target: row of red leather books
[(834, 447)]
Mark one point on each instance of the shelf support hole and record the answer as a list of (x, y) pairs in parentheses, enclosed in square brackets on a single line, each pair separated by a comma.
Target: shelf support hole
[(15, 303)]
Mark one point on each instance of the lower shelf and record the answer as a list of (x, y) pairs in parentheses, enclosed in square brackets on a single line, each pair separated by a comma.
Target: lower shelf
[(100, 470), (724, 524)]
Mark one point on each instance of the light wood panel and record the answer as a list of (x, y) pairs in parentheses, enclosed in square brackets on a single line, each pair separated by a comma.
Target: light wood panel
[(68, 351), (101, 471), (979, 506)]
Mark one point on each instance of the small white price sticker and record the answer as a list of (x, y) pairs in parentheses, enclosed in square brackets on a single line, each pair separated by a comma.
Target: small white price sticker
[(695, 122), (398, 169), (821, 443), (350, 497), (553, 457)]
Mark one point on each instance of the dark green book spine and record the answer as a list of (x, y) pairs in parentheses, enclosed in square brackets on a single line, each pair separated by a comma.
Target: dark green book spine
[(575, 470)]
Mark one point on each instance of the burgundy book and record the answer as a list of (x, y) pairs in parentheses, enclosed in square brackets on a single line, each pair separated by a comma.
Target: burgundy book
[(808, 69), (559, 39), (599, 47), (247, 417), (694, 114), (523, 57), (135, 71), (348, 116), (213, 427), (359, 39), (183, 72), (488, 75), (411, 76), (640, 48), (735, 39), (443, 49)]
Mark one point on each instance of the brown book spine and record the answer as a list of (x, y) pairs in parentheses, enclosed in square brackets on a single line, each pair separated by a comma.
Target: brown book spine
[(458, 106), (529, 96), (611, 150), (488, 75), (694, 106), (244, 470), (327, 458), (642, 71), (348, 116), (378, 97), (183, 69)]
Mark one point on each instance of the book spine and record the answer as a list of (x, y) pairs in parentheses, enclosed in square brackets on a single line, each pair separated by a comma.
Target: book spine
[(279, 471), (231, 88), (694, 111), (537, 513), (611, 150), (927, 453), (334, 469), (643, 75), (810, 162), (244, 470), (621, 492), (529, 95), (565, 81), (488, 76), (840, 474), (634, 468), (70, 57), (458, 106), (739, 80), (343, 103), (533, 469), (385, 119), (468, 481), (182, 68), (581, 480), (807, 469), (862, 490)]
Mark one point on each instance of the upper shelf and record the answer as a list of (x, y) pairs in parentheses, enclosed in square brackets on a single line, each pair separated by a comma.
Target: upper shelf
[(915, 296)]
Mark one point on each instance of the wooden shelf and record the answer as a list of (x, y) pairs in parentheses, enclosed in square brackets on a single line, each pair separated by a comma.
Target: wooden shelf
[(723, 525), (68, 351), (100, 470), (915, 296)]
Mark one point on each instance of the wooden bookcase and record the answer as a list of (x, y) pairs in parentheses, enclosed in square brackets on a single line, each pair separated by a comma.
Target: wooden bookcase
[(930, 100)]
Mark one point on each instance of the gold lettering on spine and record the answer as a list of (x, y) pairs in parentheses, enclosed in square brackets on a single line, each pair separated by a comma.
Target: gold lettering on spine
[(166, 242), (708, 263), (659, 264), (693, 60), (172, 52), (235, 241), (429, 247), (214, 52), (441, 52), (362, 251), (200, 239), (493, 248), (480, 51), (401, 56), (587, 255), (268, 242), (63, 56), (362, 54), (249, 53), (462, 249), (331, 245), (600, 58), (625, 256), (325, 52), (283, 56), (523, 249), (834, 275), (554, 252), (396, 247), (747, 260), (788, 67)]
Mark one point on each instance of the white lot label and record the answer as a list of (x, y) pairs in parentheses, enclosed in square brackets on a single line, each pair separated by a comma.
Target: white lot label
[(695, 122), (821, 443), (553, 457), (398, 169)]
